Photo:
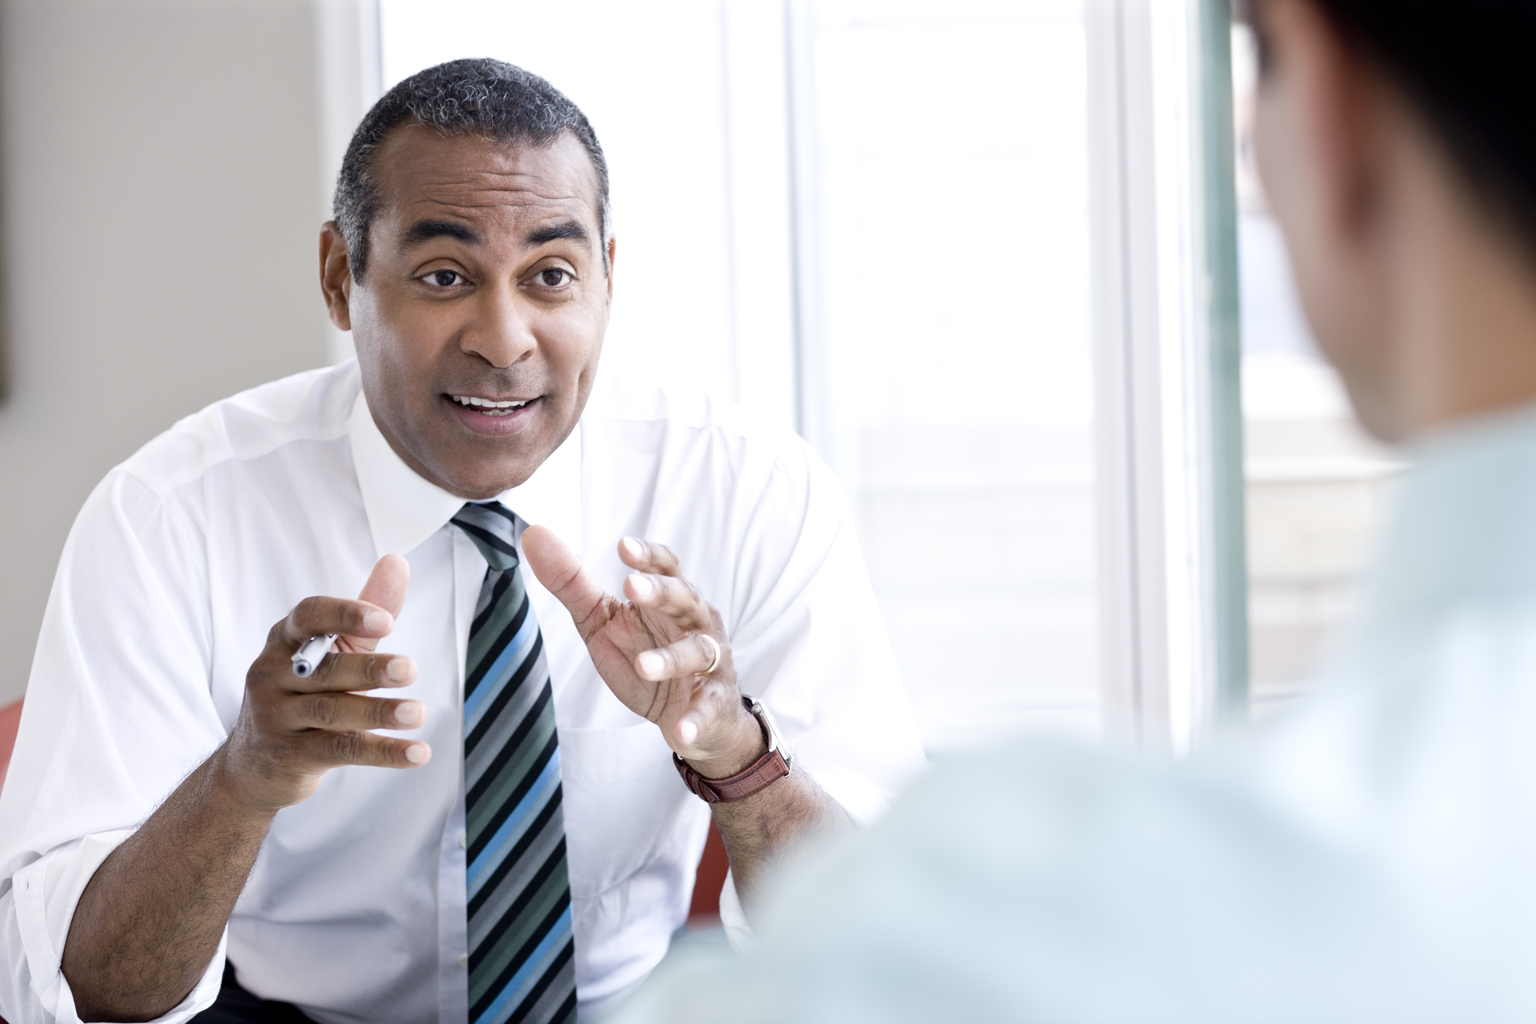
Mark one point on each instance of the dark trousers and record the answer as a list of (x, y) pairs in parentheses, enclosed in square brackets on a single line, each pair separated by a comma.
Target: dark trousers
[(237, 1006)]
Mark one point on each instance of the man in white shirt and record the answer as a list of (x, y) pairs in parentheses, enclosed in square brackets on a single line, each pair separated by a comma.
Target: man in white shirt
[(1370, 858), (508, 832)]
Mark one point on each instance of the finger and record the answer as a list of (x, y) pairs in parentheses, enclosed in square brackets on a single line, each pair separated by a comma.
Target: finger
[(317, 616), (386, 588), (648, 556), (558, 568), (338, 748), (671, 596), (349, 712), (690, 656), (355, 673)]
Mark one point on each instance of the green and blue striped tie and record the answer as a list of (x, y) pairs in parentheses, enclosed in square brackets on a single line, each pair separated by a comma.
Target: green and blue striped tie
[(521, 948)]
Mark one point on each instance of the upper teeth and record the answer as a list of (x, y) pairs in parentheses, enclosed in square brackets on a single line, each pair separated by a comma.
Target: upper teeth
[(487, 403)]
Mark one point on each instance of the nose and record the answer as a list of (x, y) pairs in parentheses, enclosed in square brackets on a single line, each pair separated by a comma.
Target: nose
[(502, 333)]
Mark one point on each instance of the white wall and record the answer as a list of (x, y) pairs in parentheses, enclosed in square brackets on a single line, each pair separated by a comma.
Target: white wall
[(163, 173)]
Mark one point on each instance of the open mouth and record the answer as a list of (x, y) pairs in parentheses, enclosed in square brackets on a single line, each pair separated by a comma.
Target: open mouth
[(487, 407)]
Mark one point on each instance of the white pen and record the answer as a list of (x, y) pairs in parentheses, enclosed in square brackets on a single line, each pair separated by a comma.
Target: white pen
[(309, 655)]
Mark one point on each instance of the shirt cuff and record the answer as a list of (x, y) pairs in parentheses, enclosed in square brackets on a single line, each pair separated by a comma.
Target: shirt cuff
[(45, 894), (863, 801), (737, 928)]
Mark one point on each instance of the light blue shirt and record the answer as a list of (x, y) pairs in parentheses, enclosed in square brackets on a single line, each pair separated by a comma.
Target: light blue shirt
[(1370, 857)]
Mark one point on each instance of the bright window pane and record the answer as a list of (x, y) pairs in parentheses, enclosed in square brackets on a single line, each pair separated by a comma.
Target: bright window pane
[(949, 350), (648, 77), (952, 165)]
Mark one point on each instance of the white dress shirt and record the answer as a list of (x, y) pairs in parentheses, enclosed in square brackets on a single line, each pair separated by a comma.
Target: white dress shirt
[(186, 554), (1370, 858)]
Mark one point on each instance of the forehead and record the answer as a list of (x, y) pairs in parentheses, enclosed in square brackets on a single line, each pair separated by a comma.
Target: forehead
[(421, 172)]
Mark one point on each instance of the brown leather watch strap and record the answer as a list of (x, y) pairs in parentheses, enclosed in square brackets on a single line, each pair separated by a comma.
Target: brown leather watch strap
[(758, 775)]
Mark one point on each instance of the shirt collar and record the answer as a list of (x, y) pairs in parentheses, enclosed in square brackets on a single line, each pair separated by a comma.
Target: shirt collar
[(404, 509), (1461, 525)]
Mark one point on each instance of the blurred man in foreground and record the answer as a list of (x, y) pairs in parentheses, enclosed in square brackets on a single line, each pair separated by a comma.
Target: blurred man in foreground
[(1371, 858)]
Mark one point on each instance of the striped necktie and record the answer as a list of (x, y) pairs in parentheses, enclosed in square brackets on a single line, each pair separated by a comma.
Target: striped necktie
[(521, 949)]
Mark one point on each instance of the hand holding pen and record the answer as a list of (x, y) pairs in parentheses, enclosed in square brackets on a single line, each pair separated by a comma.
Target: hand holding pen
[(306, 709)]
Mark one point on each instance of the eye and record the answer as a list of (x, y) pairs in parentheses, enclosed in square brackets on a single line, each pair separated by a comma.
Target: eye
[(553, 277), (444, 278)]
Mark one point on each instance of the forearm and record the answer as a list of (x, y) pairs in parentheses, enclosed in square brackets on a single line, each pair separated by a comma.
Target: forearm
[(151, 917), (761, 829)]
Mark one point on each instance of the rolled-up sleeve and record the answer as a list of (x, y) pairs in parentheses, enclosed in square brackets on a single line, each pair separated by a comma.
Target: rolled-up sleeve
[(118, 711), (37, 908), (808, 637)]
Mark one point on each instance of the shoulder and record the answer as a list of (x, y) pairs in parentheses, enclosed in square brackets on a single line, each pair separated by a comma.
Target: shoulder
[(693, 430), (314, 405)]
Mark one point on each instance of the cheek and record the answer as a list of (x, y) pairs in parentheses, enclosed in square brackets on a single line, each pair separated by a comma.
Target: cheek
[(374, 329), (1292, 192), (1277, 157), (572, 341), (1332, 285), (402, 336), (391, 354)]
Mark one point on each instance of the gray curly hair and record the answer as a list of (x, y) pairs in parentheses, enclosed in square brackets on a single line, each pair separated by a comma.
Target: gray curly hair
[(481, 96)]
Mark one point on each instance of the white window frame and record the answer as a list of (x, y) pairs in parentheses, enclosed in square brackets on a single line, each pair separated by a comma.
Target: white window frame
[(1173, 580)]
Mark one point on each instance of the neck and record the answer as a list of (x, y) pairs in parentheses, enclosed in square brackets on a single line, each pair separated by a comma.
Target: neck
[(1464, 311)]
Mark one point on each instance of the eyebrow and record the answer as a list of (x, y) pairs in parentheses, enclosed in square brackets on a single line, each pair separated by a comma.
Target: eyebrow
[(552, 232), (425, 230)]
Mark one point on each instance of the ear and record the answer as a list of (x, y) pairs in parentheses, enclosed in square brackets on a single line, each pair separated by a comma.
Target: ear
[(335, 275), (613, 251)]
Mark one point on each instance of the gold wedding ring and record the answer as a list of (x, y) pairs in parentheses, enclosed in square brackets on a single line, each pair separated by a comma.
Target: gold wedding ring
[(714, 662)]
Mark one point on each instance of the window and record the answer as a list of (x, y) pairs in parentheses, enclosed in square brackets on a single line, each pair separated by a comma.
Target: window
[(950, 364), (959, 247)]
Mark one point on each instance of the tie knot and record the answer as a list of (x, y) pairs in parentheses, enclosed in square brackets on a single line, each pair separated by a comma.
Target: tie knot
[(493, 529)]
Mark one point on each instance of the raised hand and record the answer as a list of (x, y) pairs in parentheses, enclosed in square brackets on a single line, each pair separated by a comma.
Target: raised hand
[(291, 730), (655, 650)]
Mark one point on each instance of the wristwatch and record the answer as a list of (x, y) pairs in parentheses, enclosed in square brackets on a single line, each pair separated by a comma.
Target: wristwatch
[(757, 776)]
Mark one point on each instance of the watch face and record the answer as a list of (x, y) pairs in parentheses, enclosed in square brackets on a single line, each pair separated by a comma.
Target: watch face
[(775, 741)]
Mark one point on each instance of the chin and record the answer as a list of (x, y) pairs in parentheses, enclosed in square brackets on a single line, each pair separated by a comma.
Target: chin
[(1376, 416), (478, 484), (481, 490)]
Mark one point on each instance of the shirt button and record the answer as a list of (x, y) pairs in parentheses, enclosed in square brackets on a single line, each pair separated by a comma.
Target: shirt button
[(463, 959), (463, 841)]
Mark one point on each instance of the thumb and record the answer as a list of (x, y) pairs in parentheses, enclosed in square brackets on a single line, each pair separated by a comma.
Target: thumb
[(386, 587), (558, 568)]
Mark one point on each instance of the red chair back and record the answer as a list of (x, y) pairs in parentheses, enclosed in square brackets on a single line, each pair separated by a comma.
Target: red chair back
[(10, 718), (705, 910)]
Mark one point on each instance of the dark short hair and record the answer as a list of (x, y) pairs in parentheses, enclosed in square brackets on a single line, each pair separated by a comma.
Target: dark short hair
[(1466, 67), (484, 97)]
